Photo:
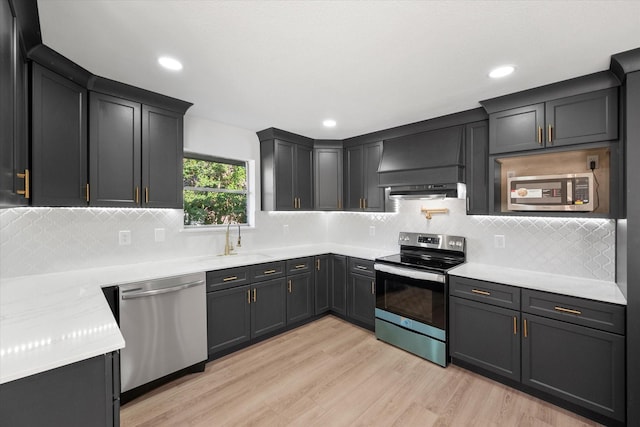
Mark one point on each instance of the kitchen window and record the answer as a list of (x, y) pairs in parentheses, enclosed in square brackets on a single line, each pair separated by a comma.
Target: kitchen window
[(215, 191)]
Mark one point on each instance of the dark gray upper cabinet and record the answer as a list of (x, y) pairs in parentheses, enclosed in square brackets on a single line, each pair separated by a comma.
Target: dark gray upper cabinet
[(162, 150), (59, 140), (362, 191), (578, 119), (581, 365), (476, 167), (268, 307), (328, 172), (114, 151), (228, 317), (486, 336), (135, 154), (286, 170), (14, 188), (322, 279)]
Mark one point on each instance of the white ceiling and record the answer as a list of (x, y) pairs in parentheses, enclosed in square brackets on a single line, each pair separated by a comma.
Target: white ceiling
[(369, 65)]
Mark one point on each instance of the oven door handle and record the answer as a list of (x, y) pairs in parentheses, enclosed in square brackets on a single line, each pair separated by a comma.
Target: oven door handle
[(411, 273)]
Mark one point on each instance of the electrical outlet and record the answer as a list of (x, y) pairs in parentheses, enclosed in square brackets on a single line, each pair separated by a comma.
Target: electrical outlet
[(159, 234), (592, 159), (498, 241), (285, 229), (372, 230), (124, 237)]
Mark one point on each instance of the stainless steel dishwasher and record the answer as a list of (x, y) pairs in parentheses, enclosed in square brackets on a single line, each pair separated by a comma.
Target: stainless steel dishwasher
[(164, 324)]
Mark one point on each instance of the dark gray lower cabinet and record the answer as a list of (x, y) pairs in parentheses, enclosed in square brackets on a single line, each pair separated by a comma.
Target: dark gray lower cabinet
[(228, 318), (338, 288), (572, 349), (361, 299), (485, 336), (322, 300), (268, 310), (582, 365), (82, 394), (299, 297)]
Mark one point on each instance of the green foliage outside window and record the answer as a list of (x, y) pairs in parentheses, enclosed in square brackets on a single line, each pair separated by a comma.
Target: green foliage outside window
[(215, 192)]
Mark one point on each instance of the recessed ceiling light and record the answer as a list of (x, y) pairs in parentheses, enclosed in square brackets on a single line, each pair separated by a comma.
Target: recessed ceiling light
[(501, 71), (329, 123), (170, 63)]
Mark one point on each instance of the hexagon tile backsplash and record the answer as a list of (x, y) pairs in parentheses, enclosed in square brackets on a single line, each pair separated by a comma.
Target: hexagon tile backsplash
[(45, 240)]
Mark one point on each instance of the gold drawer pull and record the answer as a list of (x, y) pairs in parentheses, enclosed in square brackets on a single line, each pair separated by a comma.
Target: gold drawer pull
[(567, 310), (550, 133), (525, 328), (301, 266), (248, 296), (269, 271), (540, 135), (478, 291), (361, 267), (255, 298), (318, 264), (515, 325), (289, 287), (228, 279)]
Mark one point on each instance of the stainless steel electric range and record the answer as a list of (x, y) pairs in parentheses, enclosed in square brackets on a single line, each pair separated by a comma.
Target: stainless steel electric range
[(411, 293)]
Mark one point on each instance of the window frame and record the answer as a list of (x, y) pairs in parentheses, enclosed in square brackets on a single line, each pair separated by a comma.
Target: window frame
[(246, 191)]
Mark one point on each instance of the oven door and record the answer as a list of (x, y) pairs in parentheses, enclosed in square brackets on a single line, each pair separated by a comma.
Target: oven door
[(412, 297)]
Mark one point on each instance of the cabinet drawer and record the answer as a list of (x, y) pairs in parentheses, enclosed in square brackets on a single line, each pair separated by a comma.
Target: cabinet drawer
[(227, 278), (487, 292), (299, 265), (267, 271), (361, 266), (594, 314)]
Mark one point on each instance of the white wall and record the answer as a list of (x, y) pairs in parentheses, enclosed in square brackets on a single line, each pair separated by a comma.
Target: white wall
[(44, 240)]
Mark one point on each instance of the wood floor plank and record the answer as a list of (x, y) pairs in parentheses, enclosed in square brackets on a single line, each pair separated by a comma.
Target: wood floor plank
[(331, 373)]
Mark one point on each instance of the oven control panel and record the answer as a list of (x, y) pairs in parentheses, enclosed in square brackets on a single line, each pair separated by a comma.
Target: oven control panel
[(434, 241)]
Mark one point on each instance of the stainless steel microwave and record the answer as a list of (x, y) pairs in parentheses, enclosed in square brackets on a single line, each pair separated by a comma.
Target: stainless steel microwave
[(567, 192)]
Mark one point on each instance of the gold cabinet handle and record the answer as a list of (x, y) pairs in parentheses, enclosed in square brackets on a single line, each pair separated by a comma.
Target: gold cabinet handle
[(360, 203), (86, 192), (515, 325), (137, 195), (255, 295), (361, 267), (525, 328), (289, 285), (318, 264), (248, 296), (269, 271), (567, 310), (146, 195), (339, 204), (550, 133), (228, 279), (540, 135), (364, 203), (25, 176), (373, 288), (478, 291), (299, 266)]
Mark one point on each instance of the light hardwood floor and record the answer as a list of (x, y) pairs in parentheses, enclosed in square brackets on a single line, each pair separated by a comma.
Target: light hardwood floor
[(331, 373)]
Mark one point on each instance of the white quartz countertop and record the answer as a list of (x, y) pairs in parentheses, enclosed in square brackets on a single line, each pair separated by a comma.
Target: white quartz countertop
[(598, 290), (51, 320)]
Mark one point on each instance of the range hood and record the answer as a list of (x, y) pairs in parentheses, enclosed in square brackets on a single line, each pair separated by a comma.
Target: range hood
[(429, 191), (424, 165)]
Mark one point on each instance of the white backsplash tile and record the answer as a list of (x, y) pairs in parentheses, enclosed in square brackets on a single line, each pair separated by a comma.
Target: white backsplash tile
[(44, 240)]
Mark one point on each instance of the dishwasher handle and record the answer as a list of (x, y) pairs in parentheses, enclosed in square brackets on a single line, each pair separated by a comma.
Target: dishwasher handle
[(152, 292)]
